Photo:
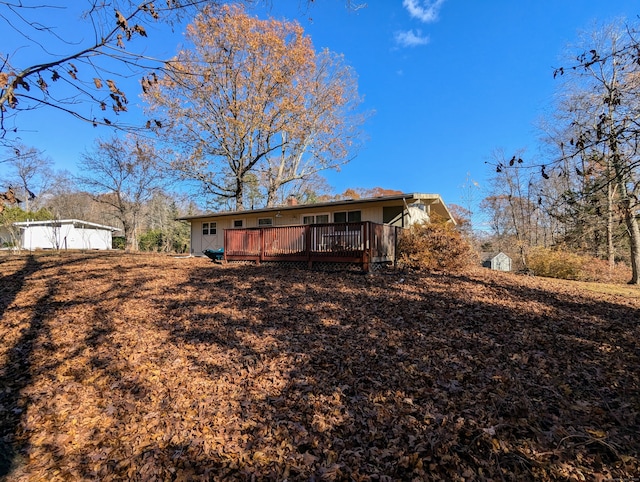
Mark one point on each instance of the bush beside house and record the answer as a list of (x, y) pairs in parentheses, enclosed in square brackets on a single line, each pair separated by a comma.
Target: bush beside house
[(435, 246)]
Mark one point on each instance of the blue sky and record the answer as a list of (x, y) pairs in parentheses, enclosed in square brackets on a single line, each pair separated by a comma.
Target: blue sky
[(450, 82)]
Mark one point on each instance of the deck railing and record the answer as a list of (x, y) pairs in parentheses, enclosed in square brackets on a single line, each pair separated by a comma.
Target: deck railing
[(363, 242)]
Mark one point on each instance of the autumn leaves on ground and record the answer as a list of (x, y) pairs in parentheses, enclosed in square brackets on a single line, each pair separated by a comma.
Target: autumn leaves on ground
[(139, 367)]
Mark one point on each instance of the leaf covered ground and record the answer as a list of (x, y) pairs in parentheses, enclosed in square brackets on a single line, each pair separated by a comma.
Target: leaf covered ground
[(143, 367)]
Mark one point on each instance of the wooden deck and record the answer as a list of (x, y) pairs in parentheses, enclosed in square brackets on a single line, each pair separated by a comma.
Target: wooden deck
[(362, 243)]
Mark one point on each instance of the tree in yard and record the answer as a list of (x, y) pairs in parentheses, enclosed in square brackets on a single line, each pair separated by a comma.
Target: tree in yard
[(326, 130), (83, 76), (14, 214), (161, 230), (65, 201), (513, 206), (463, 220), (364, 193), (29, 173), (8, 198), (604, 119), (83, 71), (123, 174), (252, 97)]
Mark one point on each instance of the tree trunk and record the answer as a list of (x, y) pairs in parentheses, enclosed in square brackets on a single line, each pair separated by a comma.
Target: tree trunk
[(272, 192), (629, 211), (239, 196), (611, 254), (130, 240), (634, 240)]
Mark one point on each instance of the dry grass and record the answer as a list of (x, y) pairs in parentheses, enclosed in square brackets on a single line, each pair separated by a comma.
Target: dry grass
[(155, 368)]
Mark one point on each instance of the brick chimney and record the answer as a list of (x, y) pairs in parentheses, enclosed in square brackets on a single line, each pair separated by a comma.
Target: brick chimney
[(292, 201)]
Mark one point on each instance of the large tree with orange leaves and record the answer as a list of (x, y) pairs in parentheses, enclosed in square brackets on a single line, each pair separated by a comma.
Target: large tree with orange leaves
[(252, 98)]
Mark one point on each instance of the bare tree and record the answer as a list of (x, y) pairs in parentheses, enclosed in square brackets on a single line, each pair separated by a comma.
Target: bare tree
[(326, 131), (514, 206), (123, 174), (606, 77), (82, 71), (29, 173), (83, 79)]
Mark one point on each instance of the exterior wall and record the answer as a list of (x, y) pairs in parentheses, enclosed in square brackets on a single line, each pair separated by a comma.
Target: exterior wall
[(66, 236), (91, 239), (45, 237), (201, 242), (499, 262), (373, 212)]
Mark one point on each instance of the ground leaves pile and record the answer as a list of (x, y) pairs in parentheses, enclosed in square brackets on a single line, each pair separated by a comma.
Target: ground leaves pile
[(155, 368)]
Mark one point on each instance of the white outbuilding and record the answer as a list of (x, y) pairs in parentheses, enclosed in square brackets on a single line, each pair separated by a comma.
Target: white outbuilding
[(64, 234), (497, 261)]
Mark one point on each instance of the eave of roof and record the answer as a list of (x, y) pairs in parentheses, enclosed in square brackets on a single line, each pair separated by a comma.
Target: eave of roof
[(409, 197), (75, 222)]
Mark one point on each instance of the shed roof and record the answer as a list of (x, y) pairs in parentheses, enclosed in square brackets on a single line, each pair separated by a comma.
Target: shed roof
[(76, 223), (486, 256)]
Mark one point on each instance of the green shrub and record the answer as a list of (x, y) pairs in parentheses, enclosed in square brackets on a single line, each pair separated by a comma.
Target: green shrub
[(118, 242), (152, 240), (434, 246)]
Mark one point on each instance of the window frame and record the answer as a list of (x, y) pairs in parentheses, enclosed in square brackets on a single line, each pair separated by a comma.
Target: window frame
[(235, 221), (347, 215), (209, 228), (315, 218), (267, 225)]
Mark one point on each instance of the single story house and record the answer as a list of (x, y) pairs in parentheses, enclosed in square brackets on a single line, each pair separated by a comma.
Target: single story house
[(63, 234), (401, 210)]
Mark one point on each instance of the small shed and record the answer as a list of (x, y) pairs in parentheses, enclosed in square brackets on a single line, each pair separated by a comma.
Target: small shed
[(498, 262), (64, 234)]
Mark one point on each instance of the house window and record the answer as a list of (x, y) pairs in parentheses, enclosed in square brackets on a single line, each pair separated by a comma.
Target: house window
[(208, 228), (315, 219), (265, 221), (237, 223), (347, 217)]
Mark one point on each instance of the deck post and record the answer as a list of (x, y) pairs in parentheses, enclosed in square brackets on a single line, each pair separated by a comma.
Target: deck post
[(395, 246), (366, 248), (307, 244), (366, 261)]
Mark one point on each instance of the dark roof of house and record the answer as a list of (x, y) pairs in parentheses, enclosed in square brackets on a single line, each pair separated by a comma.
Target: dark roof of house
[(408, 197)]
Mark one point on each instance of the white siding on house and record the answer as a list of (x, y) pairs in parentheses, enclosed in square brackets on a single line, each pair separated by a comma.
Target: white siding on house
[(201, 242), (196, 237), (372, 210)]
